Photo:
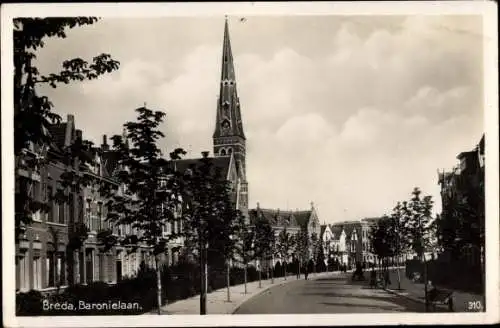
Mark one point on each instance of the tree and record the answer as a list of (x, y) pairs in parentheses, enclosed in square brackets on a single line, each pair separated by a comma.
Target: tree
[(264, 240), (382, 239), (153, 190), (316, 248), (396, 224), (284, 246), (245, 247), (418, 228), (211, 221), (320, 256), (33, 113), (418, 222), (460, 228), (302, 248)]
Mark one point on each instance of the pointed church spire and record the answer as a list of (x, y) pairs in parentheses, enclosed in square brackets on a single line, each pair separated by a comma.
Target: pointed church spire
[(228, 137), (227, 72), (228, 118)]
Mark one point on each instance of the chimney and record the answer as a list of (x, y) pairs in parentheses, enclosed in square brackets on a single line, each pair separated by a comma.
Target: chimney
[(105, 145), (258, 205), (70, 125)]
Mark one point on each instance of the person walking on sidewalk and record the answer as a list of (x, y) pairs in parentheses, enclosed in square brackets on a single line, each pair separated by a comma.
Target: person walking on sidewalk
[(387, 278), (373, 278), (306, 271)]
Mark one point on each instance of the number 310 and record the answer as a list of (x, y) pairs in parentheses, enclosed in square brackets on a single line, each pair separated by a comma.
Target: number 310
[(474, 305)]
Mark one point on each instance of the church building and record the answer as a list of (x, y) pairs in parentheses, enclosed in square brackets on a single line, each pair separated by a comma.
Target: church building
[(229, 142)]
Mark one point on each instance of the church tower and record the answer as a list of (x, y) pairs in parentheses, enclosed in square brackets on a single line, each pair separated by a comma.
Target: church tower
[(228, 137)]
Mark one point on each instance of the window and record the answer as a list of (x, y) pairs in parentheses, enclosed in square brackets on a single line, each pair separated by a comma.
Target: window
[(50, 270), (24, 273), (61, 213), (99, 216), (37, 272), (60, 269), (89, 265), (230, 151), (88, 215), (223, 152), (71, 209), (80, 217), (50, 213)]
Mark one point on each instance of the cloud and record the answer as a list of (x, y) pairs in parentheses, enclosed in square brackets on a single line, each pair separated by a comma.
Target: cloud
[(350, 113)]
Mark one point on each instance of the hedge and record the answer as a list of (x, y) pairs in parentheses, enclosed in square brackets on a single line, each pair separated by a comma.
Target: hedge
[(178, 282)]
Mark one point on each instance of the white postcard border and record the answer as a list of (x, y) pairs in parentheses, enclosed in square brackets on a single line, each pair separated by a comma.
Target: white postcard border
[(485, 8)]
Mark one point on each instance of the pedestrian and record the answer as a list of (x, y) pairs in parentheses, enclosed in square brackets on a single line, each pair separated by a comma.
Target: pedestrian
[(431, 294), (373, 278), (387, 278), (306, 272)]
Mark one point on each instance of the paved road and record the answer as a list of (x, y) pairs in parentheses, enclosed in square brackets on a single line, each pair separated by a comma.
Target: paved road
[(333, 294)]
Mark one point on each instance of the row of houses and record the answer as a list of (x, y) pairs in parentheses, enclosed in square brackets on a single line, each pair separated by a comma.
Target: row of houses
[(65, 242), (348, 242), (292, 220), (464, 185)]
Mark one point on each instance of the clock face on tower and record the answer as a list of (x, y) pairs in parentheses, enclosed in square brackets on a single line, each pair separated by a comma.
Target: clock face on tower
[(225, 126)]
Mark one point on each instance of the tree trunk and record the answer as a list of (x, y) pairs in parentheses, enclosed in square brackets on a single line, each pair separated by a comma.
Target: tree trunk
[(203, 281), (284, 268), (425, 283), (228, 282), (158, 282), (272, 274), (260, 275), (397, 269), (298, 270), (246, 266)]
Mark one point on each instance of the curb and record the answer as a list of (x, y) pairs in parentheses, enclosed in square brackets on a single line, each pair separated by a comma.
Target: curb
[(414, 299), (418, 300), (260, 291), (283, 282)]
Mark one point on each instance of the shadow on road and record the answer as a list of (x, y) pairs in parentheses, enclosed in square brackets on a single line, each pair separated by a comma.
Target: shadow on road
[(368, 307)]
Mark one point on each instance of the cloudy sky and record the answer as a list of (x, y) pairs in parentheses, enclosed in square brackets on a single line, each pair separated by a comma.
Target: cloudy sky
[(350, 112)]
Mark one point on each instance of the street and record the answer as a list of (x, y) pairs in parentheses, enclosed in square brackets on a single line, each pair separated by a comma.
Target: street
[(333, 294)]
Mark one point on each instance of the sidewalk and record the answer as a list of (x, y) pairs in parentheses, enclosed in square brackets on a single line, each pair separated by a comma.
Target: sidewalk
[(217, 299), (416, 292)]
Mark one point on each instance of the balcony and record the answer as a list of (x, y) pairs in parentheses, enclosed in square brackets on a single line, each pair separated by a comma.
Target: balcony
[(24, 245), (37, 244)]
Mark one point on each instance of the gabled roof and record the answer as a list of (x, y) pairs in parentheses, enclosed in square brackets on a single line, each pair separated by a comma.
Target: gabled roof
[(302, 217), (481, 145), (348, 227), (322, 229), (466, 154), (274, 217), (221, 162), (109, 162), (58, 133), (336, 230)]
